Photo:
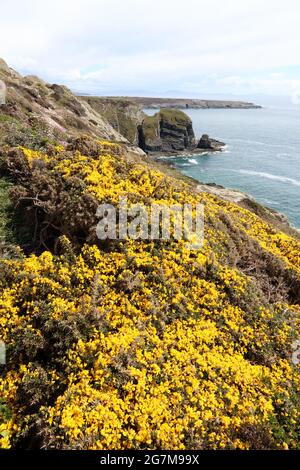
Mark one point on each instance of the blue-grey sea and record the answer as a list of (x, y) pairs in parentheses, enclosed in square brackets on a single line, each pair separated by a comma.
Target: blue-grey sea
[(262, 157)]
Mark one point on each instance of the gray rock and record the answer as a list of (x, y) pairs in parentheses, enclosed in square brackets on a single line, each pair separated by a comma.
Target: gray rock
[(167, 131), (206, 143), (2, 93)]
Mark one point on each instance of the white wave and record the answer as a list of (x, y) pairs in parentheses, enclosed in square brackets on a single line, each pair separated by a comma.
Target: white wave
[(261, 174), (270, 202), (193, 161)]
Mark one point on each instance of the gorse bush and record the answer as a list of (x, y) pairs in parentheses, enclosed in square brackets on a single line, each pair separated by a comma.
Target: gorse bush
[(142, 344)]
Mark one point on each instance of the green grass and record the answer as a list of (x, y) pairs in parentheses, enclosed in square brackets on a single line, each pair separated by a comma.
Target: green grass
[(150, 126), (174, 116), (6, 118)]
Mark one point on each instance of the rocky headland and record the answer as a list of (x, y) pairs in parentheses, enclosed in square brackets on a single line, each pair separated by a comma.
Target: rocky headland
[(186, 103), (171, 132), (37, 114), (167, 132)]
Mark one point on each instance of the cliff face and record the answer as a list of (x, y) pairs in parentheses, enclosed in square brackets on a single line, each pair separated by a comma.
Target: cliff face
[(206, 143), (34, 110), (122, 114), (166, 131), (169, 130), (2, 93)]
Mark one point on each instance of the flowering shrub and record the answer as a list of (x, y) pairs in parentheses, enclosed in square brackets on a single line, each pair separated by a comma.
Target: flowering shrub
[(143, 344)]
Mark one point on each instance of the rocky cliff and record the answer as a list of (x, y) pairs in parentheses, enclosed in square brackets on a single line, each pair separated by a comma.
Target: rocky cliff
[(2, 93), (166, 131), (136, 343), (206, 143), (34, 111), (123, 114)]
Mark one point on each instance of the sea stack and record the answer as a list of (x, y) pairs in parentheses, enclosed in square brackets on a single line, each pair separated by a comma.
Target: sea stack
[(167, 131), (206, 143)]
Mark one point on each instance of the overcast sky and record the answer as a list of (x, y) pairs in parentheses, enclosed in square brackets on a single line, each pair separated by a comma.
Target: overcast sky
[(156, 47)]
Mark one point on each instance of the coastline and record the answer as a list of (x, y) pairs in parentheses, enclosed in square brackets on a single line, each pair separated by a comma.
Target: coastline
[(245, 200), (180, 153), (158, 103)]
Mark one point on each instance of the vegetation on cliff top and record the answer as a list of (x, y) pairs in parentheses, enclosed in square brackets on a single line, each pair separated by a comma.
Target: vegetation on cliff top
[(168, 130), (175, 116), (151, 127), (142, 344), (171, 116)]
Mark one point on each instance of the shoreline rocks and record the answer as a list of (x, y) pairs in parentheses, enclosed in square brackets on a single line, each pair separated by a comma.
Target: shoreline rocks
[(206, 143), (170, 132)]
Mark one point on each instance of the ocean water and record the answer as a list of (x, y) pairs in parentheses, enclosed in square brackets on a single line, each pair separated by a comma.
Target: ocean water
[(262, 157)]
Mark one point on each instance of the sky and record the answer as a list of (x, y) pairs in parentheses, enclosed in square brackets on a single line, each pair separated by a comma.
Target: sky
[(188, 48)]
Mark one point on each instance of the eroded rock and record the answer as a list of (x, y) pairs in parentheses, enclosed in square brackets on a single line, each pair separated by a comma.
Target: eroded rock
[(206, 143), (168, 130)]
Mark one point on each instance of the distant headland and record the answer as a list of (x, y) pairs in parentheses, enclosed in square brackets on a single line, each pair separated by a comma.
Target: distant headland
[(186, 103)]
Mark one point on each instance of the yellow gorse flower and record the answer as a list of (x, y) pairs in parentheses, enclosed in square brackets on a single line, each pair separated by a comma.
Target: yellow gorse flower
[(182, 351)]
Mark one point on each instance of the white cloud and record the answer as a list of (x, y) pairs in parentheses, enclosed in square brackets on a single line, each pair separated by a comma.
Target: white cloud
[(155, 45)]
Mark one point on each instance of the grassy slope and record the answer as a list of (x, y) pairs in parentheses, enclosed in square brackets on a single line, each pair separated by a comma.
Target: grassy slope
[(151, 127), (174, 116)]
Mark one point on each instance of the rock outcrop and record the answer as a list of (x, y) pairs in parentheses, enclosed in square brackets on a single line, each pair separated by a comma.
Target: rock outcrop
[(206, 143), (167, 131), (122, 114), (2, 93), (34, 111)]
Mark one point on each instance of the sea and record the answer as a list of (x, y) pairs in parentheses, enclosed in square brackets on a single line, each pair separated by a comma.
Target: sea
[(261, 157)]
